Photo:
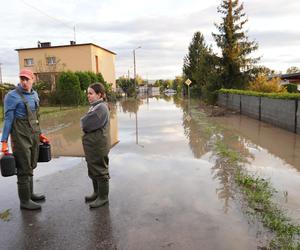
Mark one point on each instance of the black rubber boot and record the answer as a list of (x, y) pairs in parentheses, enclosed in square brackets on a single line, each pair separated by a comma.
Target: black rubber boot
[(24, 195), (35, 197), (102, 198), (94, 195)]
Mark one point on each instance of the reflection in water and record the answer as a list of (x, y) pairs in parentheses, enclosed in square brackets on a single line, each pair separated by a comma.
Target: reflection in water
[(223, 170), (254, 141), (278, 142), (132, 106), (196, 134), (201, 136), (63, 129), (101, 236), (266, 149)]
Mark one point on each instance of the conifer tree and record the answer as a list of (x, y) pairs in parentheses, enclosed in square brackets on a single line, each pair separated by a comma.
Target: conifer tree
[(198, 63), (236, 63)]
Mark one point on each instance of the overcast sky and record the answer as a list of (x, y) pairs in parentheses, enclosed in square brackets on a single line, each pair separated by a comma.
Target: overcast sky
[(163, 28)]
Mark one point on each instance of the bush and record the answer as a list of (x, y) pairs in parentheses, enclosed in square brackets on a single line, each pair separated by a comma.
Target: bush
[(93, 76), (68, 89), (262, 84), (127, 85), (84, 79), (291, 88), (100, 78), (288, 96)]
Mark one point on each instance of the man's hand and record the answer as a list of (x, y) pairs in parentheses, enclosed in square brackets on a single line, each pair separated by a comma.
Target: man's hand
[(44, 139), (4, 148)]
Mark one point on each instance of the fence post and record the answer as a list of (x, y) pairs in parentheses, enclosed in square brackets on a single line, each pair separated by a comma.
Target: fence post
[(296, 120)]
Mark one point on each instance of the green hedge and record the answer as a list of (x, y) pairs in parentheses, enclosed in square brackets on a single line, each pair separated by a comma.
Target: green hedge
[(291, 96), (292, 88)]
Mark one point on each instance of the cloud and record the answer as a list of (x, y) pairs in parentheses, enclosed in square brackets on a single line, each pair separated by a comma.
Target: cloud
[(271, 9), (276, 38), (163, 32)]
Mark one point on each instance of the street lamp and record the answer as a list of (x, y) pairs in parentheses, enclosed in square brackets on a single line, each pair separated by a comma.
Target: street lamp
[(134, 69)]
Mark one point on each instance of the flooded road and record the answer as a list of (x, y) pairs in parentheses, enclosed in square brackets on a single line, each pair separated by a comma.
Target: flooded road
[(275, 155), (166, 190)]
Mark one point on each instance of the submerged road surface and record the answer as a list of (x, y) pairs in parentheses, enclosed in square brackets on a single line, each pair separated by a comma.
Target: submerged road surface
[(165, 193)]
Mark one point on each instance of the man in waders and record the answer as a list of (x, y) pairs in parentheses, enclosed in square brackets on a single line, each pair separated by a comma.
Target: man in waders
[(21, 122)]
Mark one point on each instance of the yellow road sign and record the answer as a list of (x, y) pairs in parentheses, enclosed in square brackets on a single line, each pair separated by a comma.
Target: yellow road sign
[(188, 82)]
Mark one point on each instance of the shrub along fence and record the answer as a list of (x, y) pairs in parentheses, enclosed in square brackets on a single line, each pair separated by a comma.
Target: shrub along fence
[(281, 110)]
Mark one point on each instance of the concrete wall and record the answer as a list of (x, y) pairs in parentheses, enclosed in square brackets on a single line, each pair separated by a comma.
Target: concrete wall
[(278, 112), (298, 118), (250, 106), (222, 100), (234, 102)]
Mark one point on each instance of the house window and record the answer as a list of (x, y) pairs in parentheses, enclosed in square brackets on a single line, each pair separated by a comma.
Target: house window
[(51, 60), (97, 64), (28, 62)]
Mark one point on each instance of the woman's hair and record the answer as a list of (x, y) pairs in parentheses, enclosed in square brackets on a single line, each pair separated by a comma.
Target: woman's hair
[(98, 88)]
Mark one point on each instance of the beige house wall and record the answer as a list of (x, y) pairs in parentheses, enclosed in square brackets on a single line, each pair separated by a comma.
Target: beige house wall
[(106, 64), (73, 58)]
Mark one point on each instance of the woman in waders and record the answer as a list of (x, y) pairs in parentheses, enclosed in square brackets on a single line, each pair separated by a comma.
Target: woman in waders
[(21, 121), (96, 144)]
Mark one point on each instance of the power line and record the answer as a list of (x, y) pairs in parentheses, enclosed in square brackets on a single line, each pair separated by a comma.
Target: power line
[(46, 14)]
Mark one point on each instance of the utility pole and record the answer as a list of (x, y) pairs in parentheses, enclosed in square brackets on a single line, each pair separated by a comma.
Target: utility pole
[(134, 76), (134, 68)]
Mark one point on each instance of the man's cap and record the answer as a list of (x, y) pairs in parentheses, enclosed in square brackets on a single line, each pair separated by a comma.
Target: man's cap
[(26, 73)]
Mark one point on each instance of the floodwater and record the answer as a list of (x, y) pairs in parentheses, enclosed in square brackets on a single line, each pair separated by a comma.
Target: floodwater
[(275, 155), (65, 134), (167, 188)]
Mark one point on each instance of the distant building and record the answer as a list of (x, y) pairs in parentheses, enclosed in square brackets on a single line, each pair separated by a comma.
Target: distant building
[(293, 78), (47, 61)]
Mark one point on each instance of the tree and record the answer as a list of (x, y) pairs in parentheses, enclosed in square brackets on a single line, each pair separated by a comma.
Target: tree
[(68, 89), (292, 70), (84, 79), (127, 85), (177, 84), (163, 84), (236, 63), (263, 84), (198, 63), (139, 80), (262, 70), (100, 78), (93, 76)]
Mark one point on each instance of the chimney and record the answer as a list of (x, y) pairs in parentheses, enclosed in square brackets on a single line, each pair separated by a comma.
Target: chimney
[(45, 45), (72, 42), (39, 44)]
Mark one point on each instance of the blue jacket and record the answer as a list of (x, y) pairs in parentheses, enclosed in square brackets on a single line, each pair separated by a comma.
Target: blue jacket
[(14, 107)]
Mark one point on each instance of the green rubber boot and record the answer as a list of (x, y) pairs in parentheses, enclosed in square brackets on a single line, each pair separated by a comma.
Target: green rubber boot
[(35, 197), (24, 195), (94, 195), (102, 198)]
